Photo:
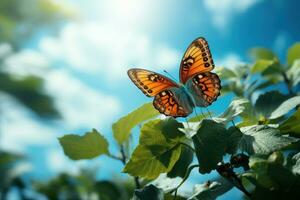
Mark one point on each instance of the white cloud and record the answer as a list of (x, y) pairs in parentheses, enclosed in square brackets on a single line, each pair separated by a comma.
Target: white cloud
[(26, 62), (80, 105), (223, 11), (58, 162), (230, 61), (105, 50), (19, 130)]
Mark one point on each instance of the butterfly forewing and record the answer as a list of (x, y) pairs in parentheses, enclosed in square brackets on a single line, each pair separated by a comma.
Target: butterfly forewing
[(150, 83), (167, 103), (197, 59), (205, 88)]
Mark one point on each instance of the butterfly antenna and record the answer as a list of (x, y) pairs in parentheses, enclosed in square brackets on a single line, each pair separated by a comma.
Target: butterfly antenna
[(209, 113), (170, 75)]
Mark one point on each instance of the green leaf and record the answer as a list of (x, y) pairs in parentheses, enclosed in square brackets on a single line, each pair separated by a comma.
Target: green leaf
[(166, 183), (89, 146), (150, 192), (267, 103), (261, 139), (158, 150), (293, 53), (285, 107), (210, 190), (210, 143), (261, 65), (262, 53), (234, 139), (236, 107), (296, 167), (107, 190), (181, 166), (226, 73), (293, 73), (260, 167), (122, 128), (292, 125)]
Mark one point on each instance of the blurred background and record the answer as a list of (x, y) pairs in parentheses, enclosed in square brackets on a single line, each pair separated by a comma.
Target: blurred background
[(63, 67)]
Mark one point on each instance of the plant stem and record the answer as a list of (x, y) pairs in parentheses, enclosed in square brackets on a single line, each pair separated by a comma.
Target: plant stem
[(188, 146), (123, 159), (288, 83)]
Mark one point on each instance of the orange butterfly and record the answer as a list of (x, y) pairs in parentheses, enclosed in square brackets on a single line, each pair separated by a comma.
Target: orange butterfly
[(198, 86)]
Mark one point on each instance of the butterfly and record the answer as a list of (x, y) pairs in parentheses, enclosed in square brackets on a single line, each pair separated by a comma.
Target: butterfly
[(198, 86)]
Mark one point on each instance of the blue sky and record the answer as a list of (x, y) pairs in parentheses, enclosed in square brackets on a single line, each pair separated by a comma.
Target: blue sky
[(85, 64)]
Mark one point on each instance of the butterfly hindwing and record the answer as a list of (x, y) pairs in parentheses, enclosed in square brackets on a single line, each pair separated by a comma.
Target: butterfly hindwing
[(150, 83), (197, 59), (167, 103), (205, 88)]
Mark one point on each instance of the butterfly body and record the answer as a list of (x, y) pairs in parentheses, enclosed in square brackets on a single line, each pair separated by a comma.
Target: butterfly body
[(198, 86)]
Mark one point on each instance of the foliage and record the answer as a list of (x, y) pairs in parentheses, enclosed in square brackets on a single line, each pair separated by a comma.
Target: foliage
[(264, 142)]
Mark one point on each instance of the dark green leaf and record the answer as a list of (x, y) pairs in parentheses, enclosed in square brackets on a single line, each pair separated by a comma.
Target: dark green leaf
[(293, 53), (181, 166), (158, 150), (285, 107), (235, 136), (296, 167), (267, 103), (210, 143), (292, 125), (89, 146), (122, 128), (150, 192), (260, 139), (107, 190)]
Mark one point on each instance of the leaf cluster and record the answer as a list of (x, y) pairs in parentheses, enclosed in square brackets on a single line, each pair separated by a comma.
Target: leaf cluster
[(265, 130)]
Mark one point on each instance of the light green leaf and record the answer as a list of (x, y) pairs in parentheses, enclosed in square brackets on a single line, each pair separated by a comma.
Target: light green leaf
[(291, 125), (158, 150), (89, 146), (210, 144), (122, 128), (293, 53), (210, 190), (262, 53), (226, 73), (236, 107), (293, 73), (261, 65), (166, 183), (260, 167), (260, 139), (150, 192), (267, 103), (285, 107)]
